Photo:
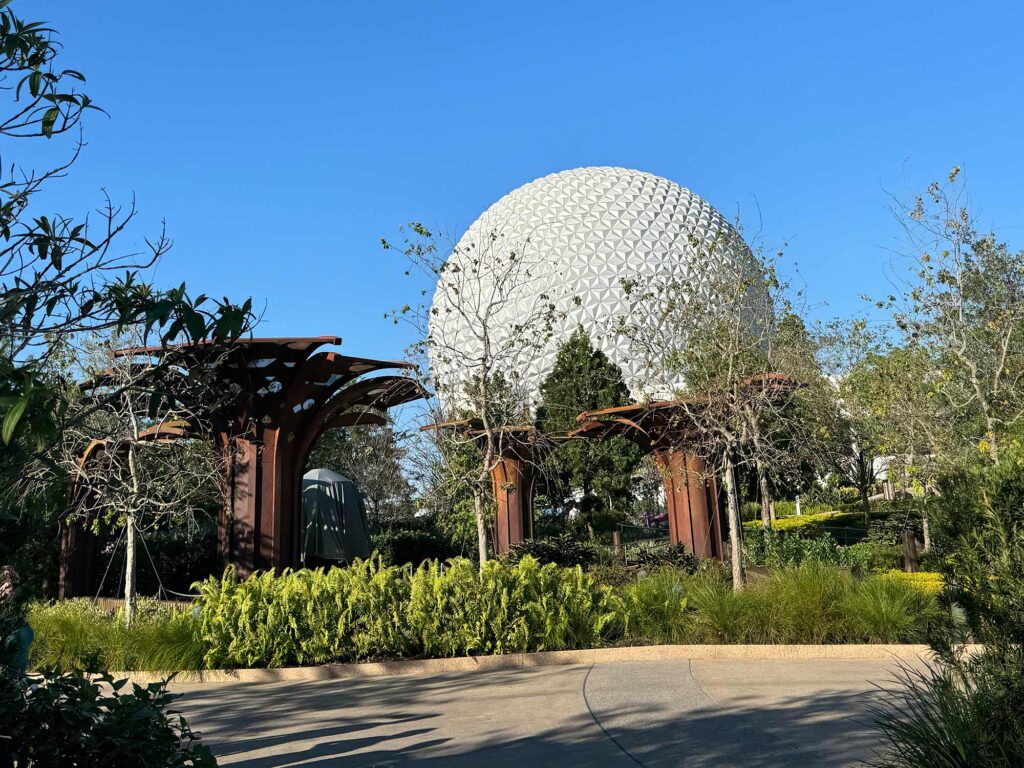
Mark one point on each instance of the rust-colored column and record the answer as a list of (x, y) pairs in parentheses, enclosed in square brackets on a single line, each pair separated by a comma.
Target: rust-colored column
[(79, 548), (692, 509), (269, 508), (512, 480), (238, 529)]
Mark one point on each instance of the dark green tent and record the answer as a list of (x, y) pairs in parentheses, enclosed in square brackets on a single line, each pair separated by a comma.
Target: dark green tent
[(333, 519)]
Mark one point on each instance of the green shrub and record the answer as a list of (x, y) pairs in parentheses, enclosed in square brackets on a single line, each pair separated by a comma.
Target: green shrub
[(612, 575), (979, 520), (779, 549), (784, 508), (71, 719), (661, 554), (966, 710), (458, 610), (849, 495), (410, 543), (305, 616), (901, 516), (870, 556), (751, 510), (371, 610), (926, 581), (564, 550), (181, 555), (806, 523)]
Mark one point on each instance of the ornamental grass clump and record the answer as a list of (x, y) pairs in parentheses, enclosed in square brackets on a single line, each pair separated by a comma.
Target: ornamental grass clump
[(653, 609), (959, 715), (882, 609), (67, 633), (809, 604), (720, 614), (78, 634), (801, 605)]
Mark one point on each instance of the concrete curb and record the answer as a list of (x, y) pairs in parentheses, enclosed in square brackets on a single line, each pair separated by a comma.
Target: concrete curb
[(543, 659)]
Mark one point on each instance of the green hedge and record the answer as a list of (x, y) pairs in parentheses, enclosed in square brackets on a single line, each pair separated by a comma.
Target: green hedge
[(375, 611), (812, 523), (750, 511), (788, 509)]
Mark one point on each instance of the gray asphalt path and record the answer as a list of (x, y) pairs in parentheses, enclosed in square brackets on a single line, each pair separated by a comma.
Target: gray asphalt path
[(654, 714)]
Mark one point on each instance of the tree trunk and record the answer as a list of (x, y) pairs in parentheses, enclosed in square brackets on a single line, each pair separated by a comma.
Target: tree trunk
[(735, 541), (865, 504), (766, 497), (129, 552), (863, 481), (129, 571), (481, 525), (926, 532), (991, 437)]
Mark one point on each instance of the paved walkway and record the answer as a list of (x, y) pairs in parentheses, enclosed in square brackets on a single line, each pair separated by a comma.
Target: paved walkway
[(655, 714)]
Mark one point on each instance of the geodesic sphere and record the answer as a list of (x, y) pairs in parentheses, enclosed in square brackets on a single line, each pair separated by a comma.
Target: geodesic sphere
[(565, 242)]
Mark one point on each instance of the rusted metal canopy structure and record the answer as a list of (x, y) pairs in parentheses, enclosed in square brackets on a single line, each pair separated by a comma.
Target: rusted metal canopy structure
[(518, 449), (664, 430), (284, 394)]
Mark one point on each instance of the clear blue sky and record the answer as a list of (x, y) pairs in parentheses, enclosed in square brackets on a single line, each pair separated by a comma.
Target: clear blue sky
[(280, 141)]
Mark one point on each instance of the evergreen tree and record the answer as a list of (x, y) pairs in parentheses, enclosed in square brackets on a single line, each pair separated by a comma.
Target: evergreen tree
[(593, 477)]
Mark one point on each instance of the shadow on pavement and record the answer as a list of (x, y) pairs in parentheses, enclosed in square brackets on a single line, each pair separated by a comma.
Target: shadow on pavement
[(526, 719)]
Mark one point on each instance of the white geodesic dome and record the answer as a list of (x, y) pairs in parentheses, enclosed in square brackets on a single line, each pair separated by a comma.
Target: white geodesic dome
[(578, 234)]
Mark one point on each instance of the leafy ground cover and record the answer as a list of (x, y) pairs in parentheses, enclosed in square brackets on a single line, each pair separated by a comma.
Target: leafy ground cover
[(376, 611), (72, 719)]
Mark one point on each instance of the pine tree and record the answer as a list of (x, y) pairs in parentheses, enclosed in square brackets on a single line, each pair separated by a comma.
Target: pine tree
[(593, 477)]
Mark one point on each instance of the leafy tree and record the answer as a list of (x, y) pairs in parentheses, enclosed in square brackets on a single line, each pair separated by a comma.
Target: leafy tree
[(720, 349), (964, 305), (595, 477), (857, 362), (61, 276), (483, 380), (908, 423), (449, 493), (802, 428), (133, 455)]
